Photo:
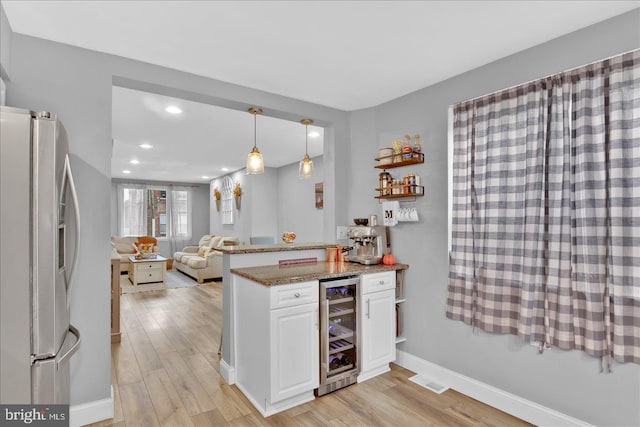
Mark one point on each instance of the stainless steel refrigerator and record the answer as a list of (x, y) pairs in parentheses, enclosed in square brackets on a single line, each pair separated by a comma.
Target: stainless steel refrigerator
[(39, 241)]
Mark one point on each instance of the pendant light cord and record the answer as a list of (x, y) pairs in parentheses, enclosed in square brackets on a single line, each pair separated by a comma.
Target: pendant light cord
[(254, 129)]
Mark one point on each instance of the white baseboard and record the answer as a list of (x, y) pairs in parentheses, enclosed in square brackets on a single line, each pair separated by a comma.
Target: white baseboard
[(500, 399), (283, 405), (363, 376), (227, 372), (91, 412)]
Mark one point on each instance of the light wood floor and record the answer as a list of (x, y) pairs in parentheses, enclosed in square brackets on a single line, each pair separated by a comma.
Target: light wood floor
[(165, 372)]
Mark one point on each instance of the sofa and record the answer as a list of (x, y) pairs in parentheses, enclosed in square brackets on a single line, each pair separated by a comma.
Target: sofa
[(123, 247), (203, 262)]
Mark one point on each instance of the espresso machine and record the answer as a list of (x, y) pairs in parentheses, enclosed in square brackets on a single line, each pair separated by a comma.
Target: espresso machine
[(369, 244)]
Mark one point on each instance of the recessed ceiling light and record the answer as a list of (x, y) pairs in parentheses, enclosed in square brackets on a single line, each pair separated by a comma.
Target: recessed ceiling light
[(173, 109), (134, 161), (205, 177), (126, 171), (314, 134), (225, 169), (146, 146)]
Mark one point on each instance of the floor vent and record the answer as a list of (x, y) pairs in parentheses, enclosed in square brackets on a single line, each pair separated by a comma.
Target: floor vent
[(428, 384)]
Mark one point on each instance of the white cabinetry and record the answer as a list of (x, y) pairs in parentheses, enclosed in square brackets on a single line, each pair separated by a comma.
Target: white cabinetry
[(294, 351), (377, 323), (277, 364)]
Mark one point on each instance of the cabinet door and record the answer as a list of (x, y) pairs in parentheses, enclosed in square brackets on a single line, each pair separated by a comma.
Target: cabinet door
[(378, 329), (294, 351)]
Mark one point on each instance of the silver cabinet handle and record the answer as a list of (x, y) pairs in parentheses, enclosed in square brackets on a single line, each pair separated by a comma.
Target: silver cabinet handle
[(382, 282), (73, 348), (297, 295), (68, 179), (367, 314)]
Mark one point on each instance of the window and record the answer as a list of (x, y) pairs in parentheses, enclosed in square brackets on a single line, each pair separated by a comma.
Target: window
[(154, 211)]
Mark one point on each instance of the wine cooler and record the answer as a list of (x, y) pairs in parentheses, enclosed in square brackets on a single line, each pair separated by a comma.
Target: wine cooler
[(339, 366)]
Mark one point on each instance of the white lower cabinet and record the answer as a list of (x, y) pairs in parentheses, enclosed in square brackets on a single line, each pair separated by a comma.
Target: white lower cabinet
[(377, 324), (277, 363), (294, 351)]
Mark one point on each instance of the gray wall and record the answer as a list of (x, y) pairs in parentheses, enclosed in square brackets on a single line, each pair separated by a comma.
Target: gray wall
[(272, 203), (199, 218), (258, 213), (200, 215), (265, 204), (5, 46), (76, 84), (567, 381), (297, 208)]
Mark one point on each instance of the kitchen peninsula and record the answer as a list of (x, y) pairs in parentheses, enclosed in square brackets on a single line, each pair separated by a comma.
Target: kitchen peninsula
[(250, 256), (273, 308)]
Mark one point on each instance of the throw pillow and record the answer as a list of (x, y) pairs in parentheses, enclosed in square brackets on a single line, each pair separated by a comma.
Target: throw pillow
[(123, 244), (215, 241), (145, 248), (205, 240), (148, 239), (203, 251)]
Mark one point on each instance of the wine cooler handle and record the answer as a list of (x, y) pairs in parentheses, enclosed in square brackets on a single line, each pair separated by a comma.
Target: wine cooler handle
[(368, 317), (325, 333)]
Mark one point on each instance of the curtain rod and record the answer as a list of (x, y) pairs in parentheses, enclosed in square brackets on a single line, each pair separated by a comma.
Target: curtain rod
[(543, 78)]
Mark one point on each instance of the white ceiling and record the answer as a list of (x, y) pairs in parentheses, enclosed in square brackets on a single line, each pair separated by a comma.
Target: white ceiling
[(200, 141), (343, 54)]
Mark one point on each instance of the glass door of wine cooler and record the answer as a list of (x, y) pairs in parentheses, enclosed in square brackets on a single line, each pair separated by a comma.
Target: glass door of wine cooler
[(339, 366)]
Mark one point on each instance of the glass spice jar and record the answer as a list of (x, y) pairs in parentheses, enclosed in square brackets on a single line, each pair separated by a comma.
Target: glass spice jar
[(385, 183), (417, 148), (412, 183)]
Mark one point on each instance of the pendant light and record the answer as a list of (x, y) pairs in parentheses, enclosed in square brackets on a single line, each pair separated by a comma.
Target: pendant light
[(255, 164), (305, 170)]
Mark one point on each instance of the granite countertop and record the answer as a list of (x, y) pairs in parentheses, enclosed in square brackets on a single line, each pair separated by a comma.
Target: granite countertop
[(278, 247), (270, 275)]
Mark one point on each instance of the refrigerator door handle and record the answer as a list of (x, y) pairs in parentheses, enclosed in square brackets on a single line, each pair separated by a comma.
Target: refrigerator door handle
[(73, 348), (76, 208)]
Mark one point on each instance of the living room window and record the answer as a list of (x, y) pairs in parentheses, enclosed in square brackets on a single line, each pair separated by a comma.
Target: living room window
[(161, 212)]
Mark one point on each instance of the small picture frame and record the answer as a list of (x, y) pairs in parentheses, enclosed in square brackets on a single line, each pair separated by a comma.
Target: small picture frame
[(319, 195)]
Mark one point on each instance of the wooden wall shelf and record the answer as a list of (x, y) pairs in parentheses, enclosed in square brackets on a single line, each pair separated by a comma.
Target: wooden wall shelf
[(404, 162), (418, 191), (399, 196)]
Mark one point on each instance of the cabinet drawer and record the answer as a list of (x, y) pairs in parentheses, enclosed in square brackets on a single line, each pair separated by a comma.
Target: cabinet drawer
[(377, 282), (144, 266), (149, 276), (294, 294)]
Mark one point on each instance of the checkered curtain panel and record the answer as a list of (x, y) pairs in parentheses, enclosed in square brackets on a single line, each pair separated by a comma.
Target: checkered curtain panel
[(546, 211)]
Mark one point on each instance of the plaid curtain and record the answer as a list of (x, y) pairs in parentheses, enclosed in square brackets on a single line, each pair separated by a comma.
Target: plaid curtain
[(546, 211)]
